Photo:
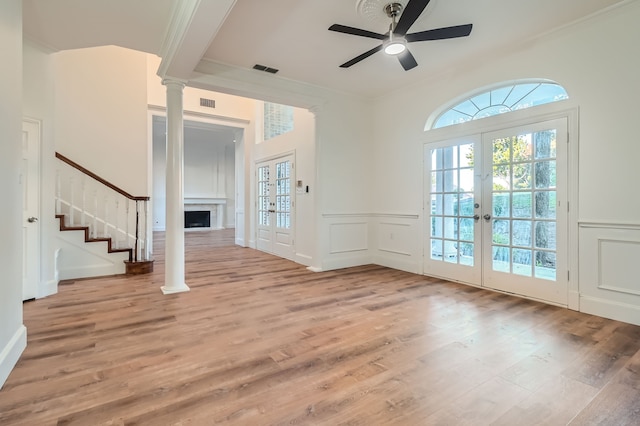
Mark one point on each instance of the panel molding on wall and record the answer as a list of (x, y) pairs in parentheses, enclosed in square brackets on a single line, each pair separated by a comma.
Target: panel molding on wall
[(348, 242), (609, 255)]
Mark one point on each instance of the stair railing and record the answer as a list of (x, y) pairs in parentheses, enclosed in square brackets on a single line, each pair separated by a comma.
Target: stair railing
[(86, 199)]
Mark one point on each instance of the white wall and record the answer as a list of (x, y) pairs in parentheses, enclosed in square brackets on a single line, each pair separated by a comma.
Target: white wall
[(595, 61), (101, 113), (13, 337)]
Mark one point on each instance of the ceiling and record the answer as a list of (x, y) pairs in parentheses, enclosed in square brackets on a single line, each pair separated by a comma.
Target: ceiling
[(292, 35)]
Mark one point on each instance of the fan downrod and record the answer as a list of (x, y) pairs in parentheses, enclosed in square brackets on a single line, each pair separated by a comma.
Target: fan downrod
[(393, 10)]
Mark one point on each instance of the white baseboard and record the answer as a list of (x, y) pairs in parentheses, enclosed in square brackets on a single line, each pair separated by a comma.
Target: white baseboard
[(10, 354), (407, 265), (347, 261), (314, 269), (303, 259), (47, 288), (610, 309)]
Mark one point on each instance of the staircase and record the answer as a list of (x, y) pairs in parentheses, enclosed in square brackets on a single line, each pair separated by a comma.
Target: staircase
[(102, 213)]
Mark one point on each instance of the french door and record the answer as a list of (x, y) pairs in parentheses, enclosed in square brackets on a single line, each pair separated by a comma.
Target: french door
[(275, 206), (498, 210)]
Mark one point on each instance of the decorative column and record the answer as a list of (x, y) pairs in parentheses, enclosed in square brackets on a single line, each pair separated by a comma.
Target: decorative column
[(174, 281)]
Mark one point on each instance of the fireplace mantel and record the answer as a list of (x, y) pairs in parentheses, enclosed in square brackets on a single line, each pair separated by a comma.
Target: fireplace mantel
[(204, 201)]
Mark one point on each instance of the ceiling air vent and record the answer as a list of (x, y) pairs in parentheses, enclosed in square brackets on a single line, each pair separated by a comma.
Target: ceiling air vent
[(265, 69), (209, 103)]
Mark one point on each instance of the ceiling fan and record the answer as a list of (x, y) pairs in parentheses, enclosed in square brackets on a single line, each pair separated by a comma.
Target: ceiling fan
[(394, 42)]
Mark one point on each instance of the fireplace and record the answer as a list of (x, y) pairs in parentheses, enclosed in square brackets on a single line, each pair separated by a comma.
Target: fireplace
[(213, 207), (197, 219)]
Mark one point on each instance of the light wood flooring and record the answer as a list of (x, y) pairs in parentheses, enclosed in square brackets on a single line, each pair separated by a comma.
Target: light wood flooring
[(262, 341)]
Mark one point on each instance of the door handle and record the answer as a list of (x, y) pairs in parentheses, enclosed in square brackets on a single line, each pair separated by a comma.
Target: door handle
[(32, 219), (476, 217), (487, 217), (271, 211)]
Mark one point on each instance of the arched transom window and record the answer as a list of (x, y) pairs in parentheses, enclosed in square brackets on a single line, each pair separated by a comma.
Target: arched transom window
[(506, 98)]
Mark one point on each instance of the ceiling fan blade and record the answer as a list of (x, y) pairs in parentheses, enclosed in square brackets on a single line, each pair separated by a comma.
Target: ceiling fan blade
[(407, 60), (365, 55), (411, 12), (356, 31), (440, 33)]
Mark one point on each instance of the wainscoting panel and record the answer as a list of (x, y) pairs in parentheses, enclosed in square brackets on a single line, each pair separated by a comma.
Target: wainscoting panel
[(609, 265), (348, 237), (348, 242), (398, 242)]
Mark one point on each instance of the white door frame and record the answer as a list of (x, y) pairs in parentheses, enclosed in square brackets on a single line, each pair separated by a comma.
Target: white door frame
[(562, 109)]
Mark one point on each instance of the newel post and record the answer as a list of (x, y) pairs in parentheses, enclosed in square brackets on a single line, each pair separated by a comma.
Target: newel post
[(174, 281)]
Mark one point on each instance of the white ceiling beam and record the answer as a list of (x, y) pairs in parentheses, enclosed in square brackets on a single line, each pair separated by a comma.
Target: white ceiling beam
[(194, 24)]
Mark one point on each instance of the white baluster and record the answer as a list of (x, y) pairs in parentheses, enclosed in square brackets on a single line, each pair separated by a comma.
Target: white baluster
[(94, 230), (58, 207), (72, 202), (83, 184), (126, 222), (147, 235), (117, 224), (106, 216)]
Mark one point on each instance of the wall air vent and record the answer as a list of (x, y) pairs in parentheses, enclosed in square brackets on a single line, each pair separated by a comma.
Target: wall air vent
[(209, 103), (265, 69)]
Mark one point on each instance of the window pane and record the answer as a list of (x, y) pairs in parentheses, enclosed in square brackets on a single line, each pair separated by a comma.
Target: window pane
[(466, 155), (436, 182), (545, 265), (522, 262), (450, 227), (436, 249), (466, 180), (522, 176), (465, 204), (522, 233), (436, 159), (501, 232), (466, 229), (546, 204), (451, 204), (546, 174), (522, 206), (546, 235), (500, 259), (500, 206), (436, 227), (436, 204), (501, 100)]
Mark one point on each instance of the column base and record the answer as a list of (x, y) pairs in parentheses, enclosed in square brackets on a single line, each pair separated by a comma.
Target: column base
[(171, 290)]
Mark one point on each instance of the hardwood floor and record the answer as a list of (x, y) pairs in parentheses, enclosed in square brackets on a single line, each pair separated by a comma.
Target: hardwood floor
[(260, 340)]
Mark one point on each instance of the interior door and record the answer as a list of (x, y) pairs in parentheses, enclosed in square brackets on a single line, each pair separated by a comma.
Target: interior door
[(275, 206), (525, 228), (30, 180), (453, 249)]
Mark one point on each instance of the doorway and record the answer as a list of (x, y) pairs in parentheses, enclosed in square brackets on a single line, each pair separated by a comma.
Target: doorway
[(497, 214)]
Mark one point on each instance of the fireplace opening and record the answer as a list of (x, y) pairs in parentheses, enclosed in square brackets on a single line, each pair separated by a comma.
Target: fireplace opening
[(197, 219)]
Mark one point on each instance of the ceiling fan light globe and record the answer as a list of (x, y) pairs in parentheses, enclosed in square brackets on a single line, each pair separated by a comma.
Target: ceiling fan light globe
[(395, 47)]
